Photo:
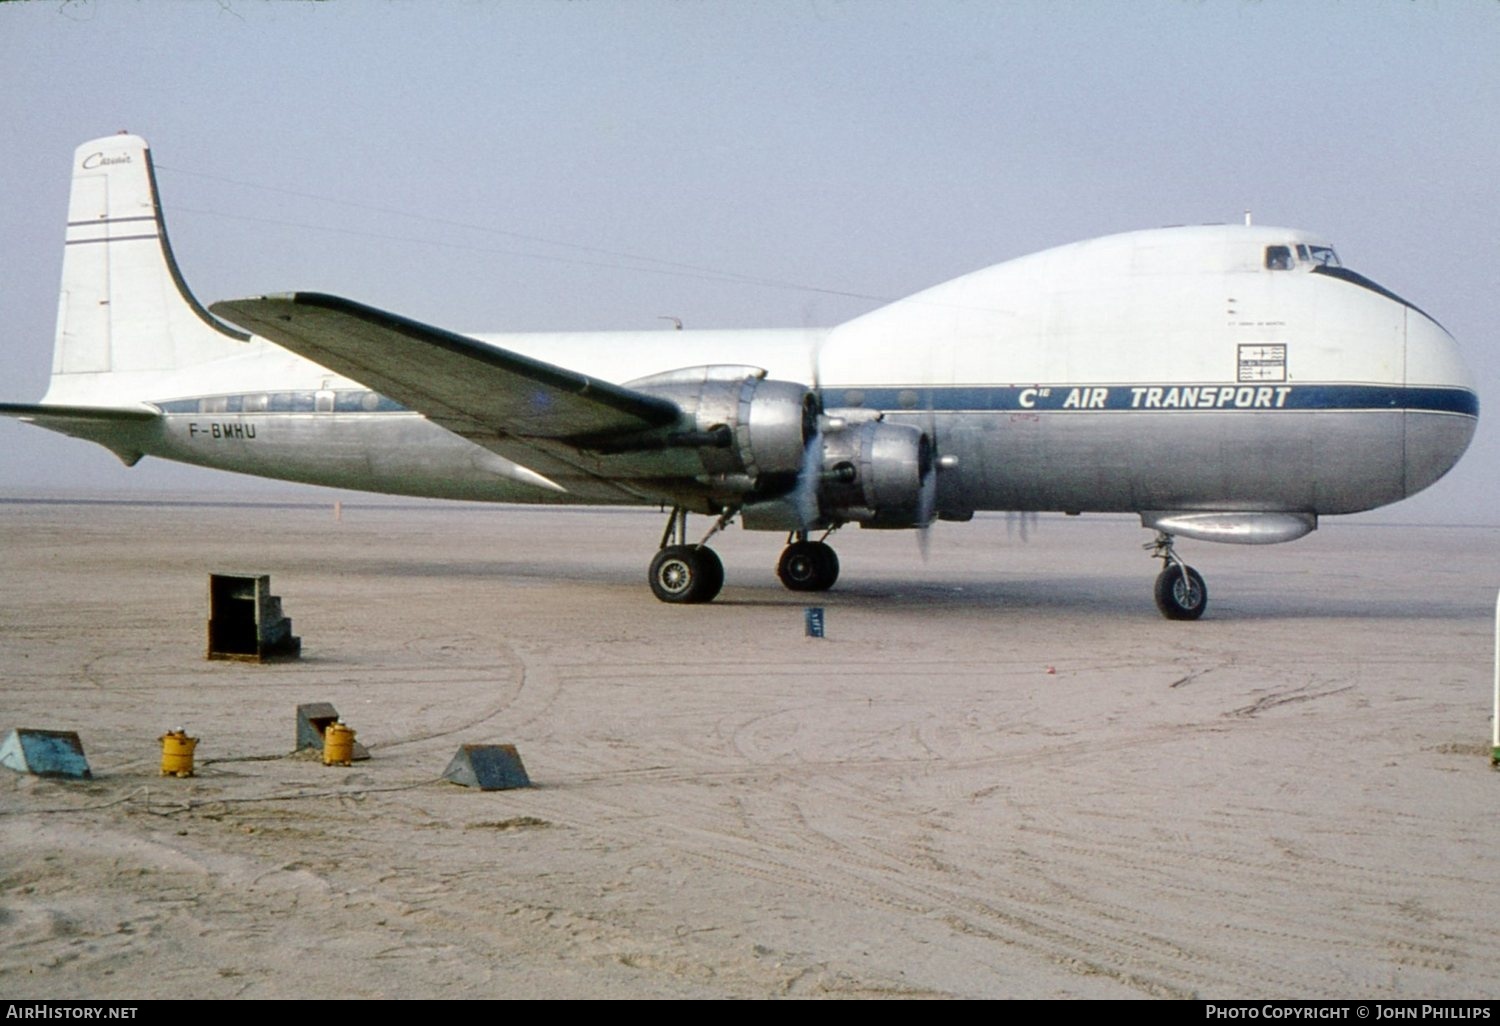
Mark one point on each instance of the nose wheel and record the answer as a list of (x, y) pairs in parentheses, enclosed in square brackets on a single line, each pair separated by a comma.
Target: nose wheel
[(1180, 591)]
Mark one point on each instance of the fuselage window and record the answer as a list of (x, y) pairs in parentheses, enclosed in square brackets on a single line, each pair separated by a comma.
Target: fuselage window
[(289, 402), (1278, 258)]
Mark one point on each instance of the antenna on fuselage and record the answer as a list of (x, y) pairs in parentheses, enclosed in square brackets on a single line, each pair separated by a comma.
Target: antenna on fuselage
[(1247, 217)]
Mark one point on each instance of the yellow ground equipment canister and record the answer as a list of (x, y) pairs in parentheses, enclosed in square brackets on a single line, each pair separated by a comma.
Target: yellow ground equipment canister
[(177, 753), (338, 745)]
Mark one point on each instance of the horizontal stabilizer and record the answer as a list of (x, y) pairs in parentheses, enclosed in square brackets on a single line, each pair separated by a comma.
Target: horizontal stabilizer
[(78, 414), (454, 380), (124, 431)]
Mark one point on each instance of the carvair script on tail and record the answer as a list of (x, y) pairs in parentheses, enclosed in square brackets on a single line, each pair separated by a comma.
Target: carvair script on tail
[(1225, 383)]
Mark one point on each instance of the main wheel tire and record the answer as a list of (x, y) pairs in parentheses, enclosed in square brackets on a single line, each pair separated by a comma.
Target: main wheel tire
[(713, 574), (830, 560), (1180, 599), (808, 566), (686, 574)]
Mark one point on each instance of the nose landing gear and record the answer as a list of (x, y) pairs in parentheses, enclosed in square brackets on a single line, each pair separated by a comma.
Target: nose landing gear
[(1180, 591)]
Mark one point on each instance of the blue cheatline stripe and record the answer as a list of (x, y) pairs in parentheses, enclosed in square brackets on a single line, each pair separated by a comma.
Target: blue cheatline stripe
[(1155, 398), (980, 399)]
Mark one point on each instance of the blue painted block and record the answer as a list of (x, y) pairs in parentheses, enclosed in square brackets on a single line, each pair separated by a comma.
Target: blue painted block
[(45, 753), (487, 767)]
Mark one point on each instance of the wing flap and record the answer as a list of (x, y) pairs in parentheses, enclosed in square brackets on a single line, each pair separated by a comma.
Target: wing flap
[(467, 386)]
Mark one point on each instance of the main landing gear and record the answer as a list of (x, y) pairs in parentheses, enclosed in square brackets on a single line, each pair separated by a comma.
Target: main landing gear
[(688, 574), (807, 565), (1180, 591)]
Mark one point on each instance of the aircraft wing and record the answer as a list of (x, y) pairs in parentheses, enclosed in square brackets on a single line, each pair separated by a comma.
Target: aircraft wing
[(524, 409), (447, 376)]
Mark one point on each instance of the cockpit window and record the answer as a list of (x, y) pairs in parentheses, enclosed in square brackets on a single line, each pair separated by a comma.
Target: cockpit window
[(1280, 258), (1318, 256)]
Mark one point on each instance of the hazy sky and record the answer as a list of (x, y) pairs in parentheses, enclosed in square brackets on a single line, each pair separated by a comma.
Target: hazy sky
[(501, 166)]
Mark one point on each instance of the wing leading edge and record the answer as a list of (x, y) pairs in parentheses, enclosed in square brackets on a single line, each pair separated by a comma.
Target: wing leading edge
[(535, 413)]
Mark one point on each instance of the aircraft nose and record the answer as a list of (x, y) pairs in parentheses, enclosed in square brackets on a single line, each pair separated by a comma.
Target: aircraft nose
[(1442, 410)]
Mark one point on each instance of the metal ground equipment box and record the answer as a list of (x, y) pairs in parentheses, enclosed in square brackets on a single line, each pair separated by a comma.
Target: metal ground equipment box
[(245, 621)]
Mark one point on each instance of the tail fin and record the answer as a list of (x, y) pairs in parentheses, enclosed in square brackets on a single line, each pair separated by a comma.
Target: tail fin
[(124, 307)]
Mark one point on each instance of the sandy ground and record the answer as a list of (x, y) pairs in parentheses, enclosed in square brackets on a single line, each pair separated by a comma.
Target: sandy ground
[(1001, 774)]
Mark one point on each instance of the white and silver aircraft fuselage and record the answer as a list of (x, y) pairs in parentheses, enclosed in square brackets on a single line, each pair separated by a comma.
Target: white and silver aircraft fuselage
[(1227, 383)]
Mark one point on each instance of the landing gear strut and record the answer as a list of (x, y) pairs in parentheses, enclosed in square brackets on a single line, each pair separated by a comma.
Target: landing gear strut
[(686, 573), (1180, 591), (807, 565)]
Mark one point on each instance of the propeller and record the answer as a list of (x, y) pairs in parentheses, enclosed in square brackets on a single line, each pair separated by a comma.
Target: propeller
[(804, 495), (927, 471)]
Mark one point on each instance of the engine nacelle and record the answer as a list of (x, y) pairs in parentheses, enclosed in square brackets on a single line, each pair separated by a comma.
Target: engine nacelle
[(762, 443), (866, 472), (769, 424), (877, 475)]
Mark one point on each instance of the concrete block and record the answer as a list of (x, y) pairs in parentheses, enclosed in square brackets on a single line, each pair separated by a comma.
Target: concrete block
[(45, 753), (487, 767)]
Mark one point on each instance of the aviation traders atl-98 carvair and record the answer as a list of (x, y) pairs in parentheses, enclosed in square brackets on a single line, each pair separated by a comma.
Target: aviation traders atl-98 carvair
[(1225, 383)]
